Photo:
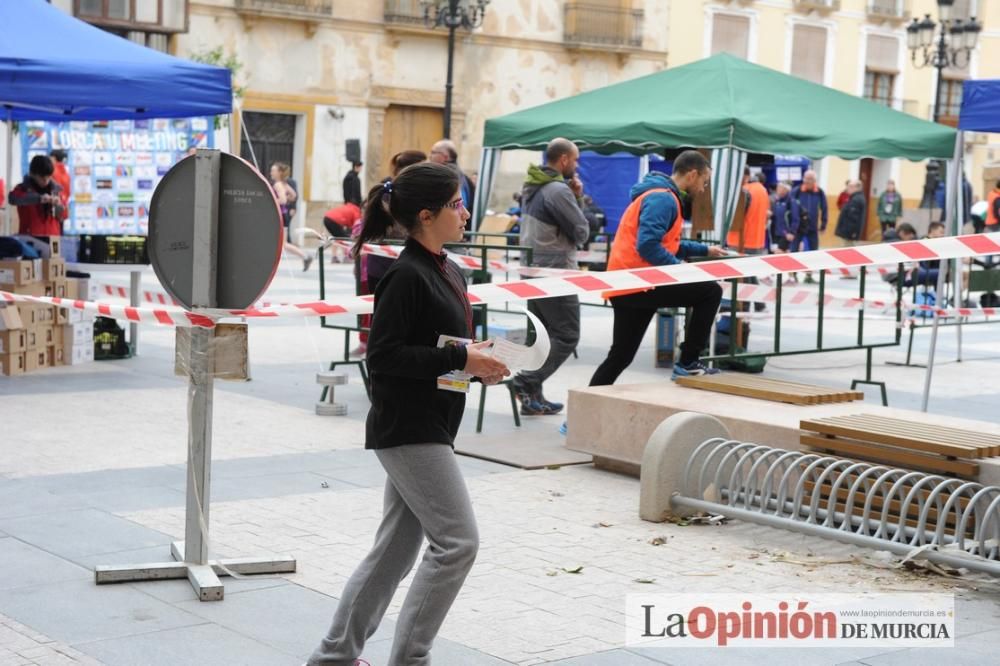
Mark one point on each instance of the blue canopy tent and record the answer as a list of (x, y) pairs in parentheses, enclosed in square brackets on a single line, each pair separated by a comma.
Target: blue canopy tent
[(56, 67)]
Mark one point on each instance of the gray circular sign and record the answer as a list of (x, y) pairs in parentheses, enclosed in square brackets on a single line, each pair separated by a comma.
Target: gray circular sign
[(248, 238)]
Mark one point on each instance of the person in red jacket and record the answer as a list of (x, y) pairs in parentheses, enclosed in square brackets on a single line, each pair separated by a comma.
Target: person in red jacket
[(339, 221), (38, 200), (60, 174)]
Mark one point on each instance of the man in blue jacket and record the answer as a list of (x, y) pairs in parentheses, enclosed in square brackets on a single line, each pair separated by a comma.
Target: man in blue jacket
[(810, 199)]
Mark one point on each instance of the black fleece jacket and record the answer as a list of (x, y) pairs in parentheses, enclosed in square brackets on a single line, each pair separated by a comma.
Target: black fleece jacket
[(421, 297)]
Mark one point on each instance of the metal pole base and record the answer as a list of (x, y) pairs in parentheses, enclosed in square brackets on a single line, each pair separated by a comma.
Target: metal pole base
[(204, 577)]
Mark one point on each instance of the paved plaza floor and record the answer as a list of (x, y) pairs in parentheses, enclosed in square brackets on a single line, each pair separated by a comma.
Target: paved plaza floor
[(92, 472)]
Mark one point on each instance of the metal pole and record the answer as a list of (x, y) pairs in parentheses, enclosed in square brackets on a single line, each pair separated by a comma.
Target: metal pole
[(930, 364), (8, 213), (451, 20), (201, 360), (135, 299), (940, 60)]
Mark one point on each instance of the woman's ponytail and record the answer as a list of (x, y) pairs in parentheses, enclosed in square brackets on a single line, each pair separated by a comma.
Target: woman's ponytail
[(377, 220)]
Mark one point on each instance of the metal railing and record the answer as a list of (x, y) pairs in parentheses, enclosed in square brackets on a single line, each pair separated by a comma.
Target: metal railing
[(404, 12), (892, 9), (947, 521), (821, 5), (594, 25), (309, 9)]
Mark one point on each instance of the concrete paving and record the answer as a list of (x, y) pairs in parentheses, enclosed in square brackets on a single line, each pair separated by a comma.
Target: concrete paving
[(92, 472)]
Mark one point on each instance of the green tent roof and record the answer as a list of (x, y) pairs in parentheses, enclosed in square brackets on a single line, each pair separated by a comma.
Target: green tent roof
[(724, 101)]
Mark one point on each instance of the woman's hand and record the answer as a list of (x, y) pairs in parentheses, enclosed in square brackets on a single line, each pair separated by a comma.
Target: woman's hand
[(480, 364)]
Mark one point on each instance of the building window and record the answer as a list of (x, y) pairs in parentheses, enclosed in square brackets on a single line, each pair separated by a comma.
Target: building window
[(809, 53), (878, 86), (162, 16), (951, 98), (731, 34)]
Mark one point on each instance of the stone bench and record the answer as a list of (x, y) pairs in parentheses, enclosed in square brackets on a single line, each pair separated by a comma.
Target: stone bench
[(613, 423)]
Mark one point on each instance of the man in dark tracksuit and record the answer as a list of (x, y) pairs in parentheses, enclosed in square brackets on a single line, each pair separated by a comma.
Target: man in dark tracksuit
[(553, 226)]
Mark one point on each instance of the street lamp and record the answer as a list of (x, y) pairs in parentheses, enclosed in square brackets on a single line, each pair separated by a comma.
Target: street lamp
[(452, 14), (955, 42)]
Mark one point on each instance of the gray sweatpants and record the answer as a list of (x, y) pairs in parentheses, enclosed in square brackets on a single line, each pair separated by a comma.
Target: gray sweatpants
[(425, 495)]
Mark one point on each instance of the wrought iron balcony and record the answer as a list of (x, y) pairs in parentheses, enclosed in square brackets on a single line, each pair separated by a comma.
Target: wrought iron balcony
[(404, 13), (822, 6), (599, 26), (309, 10), (888, 10)]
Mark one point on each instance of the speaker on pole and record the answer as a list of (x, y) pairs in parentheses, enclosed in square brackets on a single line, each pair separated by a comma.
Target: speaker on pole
[(353, 150)]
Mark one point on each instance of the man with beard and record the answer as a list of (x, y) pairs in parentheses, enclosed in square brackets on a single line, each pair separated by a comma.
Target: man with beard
[(553, 226)]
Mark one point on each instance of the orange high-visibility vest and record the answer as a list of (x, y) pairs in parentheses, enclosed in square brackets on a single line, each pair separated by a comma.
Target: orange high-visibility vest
[(625, 254), (754, 220), (991, 217)]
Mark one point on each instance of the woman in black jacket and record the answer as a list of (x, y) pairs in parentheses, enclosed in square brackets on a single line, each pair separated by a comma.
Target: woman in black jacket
[(413, 422)]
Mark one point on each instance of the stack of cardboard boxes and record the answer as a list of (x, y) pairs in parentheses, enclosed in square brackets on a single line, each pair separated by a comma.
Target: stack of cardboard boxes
[(34, 336)]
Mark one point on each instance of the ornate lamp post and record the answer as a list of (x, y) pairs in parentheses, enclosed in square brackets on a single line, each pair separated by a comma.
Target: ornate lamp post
[(452, 14), (953, 47)]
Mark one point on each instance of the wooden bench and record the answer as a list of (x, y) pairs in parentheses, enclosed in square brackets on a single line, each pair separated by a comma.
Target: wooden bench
[(765, 388), (882, 439)]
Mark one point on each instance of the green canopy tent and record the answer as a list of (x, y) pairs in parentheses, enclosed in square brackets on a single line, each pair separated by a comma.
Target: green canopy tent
[(724, 103)]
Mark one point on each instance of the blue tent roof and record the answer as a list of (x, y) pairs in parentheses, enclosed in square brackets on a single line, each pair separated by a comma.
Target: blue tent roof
[(980, 106), (56, 67)]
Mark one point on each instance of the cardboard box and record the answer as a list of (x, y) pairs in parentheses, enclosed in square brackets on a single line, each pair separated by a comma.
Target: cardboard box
[(13, 342), (46, 336), (59, 336), (54, 269), (45, 315), (74, 316), (30, 338), (62, 316), (46, 246), (10, 318), (33, 289), (72, 289), (17, 272), (28, 313), (12, 364), (54, 356), (77, 354), (35, 359), (80, 333)]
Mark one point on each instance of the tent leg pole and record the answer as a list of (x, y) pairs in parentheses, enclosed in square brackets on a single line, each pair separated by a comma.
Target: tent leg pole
[(930, 365), (7, 213)]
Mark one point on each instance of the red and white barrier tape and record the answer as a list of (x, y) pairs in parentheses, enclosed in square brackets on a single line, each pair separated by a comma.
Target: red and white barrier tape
[(591, 282), (169, 315), (148, 295), (463, 260)]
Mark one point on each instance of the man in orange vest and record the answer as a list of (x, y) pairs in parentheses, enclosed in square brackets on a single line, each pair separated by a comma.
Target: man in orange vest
[(993, 210), (754, 219), (649, 234)]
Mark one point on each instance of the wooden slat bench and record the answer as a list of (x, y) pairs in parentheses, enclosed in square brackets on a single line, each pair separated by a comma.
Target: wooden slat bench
[(764, 388), (882, 439)]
